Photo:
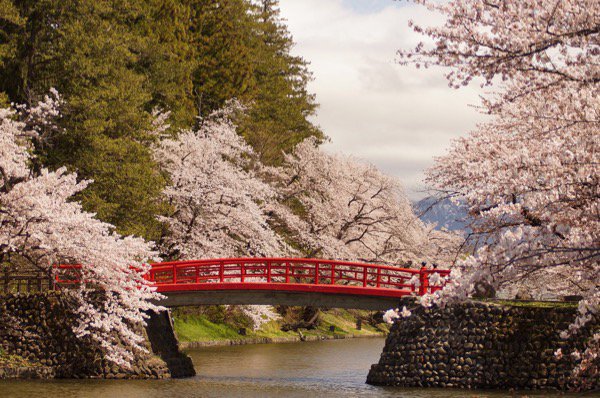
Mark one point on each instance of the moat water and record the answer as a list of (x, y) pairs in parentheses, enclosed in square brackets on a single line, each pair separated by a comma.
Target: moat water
[(334, 368)]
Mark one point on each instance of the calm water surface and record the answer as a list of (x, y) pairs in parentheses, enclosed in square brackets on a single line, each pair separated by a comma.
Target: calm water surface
[(335, 368)]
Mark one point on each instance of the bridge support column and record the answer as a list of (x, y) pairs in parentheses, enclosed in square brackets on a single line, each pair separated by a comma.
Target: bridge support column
[(164, 343)]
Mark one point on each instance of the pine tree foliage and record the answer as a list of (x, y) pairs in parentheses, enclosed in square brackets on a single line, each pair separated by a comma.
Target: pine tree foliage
[(244, 51), (223, 36), (280, 117), (114, 62)]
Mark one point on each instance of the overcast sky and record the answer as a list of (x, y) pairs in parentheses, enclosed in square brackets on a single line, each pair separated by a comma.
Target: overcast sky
[(394, 116)]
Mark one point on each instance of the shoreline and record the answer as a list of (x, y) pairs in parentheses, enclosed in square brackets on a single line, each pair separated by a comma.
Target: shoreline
[(186, 345), (195, 330)]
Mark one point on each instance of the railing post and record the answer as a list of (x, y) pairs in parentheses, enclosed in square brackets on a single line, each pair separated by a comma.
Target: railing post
[(50, 279), (268, 272), (317, 273), (242, 272), (222, 271), (364, 276), (423, 281), (287, 272), (333, 274), (378, 276)]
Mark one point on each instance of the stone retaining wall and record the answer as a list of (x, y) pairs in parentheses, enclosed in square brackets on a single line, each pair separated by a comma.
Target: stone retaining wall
[(479, 345), (38, 327)]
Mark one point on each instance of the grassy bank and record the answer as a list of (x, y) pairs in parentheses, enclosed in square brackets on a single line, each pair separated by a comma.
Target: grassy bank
[(204, 328), (532, 303)]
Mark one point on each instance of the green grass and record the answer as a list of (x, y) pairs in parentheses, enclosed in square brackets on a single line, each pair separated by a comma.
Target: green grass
[(271, 329), (198, 327), (344, 322), (533, 304)]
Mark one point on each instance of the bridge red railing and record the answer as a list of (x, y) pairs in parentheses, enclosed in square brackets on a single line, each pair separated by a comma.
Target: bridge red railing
[(295, 272), (66, 275), (300, 274)]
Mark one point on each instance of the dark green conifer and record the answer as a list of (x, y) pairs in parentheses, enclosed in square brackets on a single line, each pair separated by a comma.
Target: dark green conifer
[(282, 107), (113, 62)]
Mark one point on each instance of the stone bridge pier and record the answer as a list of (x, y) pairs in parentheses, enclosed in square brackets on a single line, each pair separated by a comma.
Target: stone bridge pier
[(164, 343)]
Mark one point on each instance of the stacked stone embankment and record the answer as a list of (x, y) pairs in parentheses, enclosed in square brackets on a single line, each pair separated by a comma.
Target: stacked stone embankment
[(39, 329), (482, 345)]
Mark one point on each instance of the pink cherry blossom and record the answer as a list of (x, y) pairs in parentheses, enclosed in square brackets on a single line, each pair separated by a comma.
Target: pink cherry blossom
[(41, 224), (351, 210), (529, 174), (217, 198)]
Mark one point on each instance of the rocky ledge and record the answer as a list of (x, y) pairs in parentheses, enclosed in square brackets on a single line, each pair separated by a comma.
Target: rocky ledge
[(16, 367), (37, 341), (482, 345)]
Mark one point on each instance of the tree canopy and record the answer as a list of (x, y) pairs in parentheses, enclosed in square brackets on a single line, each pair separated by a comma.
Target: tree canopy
[(114, 62), (40, 225), (529, 175)]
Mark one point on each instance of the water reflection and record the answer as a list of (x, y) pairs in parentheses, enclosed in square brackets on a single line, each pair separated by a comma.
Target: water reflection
[(328, 369)]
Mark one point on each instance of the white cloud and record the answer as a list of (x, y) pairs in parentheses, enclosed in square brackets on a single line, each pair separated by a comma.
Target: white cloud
[(397, 117)]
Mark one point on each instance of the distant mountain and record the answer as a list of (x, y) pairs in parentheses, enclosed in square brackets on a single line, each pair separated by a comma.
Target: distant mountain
[(445, 213)]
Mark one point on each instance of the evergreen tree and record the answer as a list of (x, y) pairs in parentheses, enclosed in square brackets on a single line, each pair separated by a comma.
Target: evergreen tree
[(279, 117), (223, 35), (244, 52), (169, 59), (112, 61)]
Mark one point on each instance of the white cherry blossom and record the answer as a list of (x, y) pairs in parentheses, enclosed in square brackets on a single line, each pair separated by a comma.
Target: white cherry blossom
[(530, 174)]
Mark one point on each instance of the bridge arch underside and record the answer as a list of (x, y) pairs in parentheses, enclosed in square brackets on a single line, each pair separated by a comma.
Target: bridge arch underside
[(349, 297)]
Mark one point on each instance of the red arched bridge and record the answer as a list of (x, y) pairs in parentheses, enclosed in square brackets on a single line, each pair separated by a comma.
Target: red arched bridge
[(282, 281), (288, 281)]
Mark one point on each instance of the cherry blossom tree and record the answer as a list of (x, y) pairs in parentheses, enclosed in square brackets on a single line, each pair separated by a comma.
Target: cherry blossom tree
[(390, 315), (534, 45), (226, 204), (338, 207), (41, 225), (260, 314), (218, 200), (530, 174), (216, 196)]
